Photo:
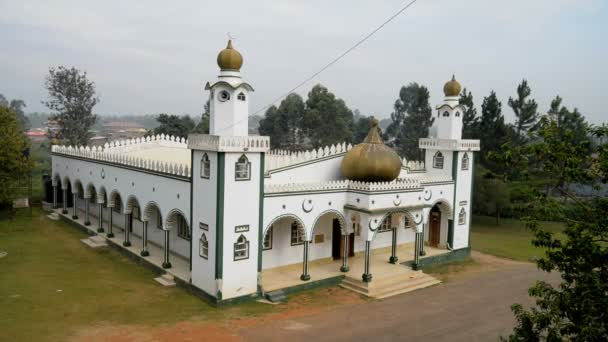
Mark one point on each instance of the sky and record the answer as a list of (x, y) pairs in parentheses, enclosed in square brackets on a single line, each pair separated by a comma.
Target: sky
[(149, 57)]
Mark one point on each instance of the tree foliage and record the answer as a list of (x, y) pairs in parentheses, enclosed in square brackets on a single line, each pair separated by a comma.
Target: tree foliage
[(327, 119), (492, 129), (72, 97), (284, 125), (411, 120), (17, 106), (175, 125), (576, 309), (203, 126), (525, 109), (13, 160), (470, 119)]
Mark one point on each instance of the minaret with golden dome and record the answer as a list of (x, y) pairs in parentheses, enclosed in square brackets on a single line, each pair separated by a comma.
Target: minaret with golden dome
[(448, 119), (229, 96)]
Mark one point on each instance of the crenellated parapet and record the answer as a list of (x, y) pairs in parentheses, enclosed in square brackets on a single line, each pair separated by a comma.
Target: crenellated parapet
[(344, 185), (117, 156), (412, 165), (219, 143), (277, 159), (127, 145), (449, 144)]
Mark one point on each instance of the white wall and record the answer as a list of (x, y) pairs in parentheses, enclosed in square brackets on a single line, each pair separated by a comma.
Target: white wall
[(463, 201), (315, 171)]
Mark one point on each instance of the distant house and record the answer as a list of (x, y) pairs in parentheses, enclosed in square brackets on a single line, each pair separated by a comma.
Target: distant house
[(37, 134), (123, 129)]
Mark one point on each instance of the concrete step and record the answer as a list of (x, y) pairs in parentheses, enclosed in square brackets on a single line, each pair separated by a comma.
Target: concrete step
[(276, 296), (53, 216), (389, 287), (410, 288), (98, 239), (92, 243), (165, 280)]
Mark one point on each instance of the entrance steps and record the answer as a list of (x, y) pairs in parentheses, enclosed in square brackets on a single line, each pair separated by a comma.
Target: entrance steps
[(53, 216), (165, 280), (277, 296), (95, 241), (390, 285)]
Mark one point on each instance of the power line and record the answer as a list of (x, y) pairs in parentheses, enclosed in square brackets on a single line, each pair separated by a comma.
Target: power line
[(328, 65)]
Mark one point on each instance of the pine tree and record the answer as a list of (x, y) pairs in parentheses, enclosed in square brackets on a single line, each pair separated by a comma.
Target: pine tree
[(525, 109), (411, 121), (470, 120), (492, 128)]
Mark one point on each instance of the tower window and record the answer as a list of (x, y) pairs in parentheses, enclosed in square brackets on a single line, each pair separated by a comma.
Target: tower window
[(462, 216), (241, 248), (205, 166), (241, 97), (438, 160), (203, 248), (268, 239), (242, 169), (224, 96), (457, 114), (465, 162), (446, 113), (297, 236)]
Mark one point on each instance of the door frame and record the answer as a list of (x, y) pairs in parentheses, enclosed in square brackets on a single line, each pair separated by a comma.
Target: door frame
[(435, 227)]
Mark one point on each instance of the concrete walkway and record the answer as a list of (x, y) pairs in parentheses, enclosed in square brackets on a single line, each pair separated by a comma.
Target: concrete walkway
[(472, 307)]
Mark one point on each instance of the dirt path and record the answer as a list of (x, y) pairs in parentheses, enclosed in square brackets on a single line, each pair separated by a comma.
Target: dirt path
[(473, 305)]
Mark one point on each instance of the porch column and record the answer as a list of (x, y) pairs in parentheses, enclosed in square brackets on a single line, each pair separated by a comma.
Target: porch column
[(54, 196), (65, 202), (417, 239), (367, 277), (144, 241), (344, 267), (127, 242), (424, 227), (74, 205), (305, 276), (166, 263), (110, 224), (100, 218), (87, 221), (393, 259)]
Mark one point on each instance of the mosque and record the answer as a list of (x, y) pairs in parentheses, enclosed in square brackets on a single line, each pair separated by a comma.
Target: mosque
[(230, 219)]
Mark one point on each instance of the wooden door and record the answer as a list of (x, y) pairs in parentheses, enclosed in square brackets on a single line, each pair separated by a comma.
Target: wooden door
[(336, 240), (434, 227)]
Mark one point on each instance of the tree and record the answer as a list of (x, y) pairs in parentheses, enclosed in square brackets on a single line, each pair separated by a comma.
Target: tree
[(362, 127), (13, 160), (576, 309), (492, 129), (284, 125), (525, 109), (470, 120), (411, 121), (327, 119), (567, 121), (72, 97), (491, 195), (203, 125), (177, 126), (17, 107)]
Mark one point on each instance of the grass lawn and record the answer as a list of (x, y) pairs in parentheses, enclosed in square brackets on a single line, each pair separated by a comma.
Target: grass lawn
[(510, 239), (51, 285)]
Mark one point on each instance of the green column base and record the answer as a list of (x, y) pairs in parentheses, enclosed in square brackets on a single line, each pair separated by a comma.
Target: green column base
[(367, 277), (110, 235), (100, 230), (87, 223), (305, 277), (64, 211), (144, 253), (344, 269), (74, 217), (127, 243), (393, 259), (166, 265)]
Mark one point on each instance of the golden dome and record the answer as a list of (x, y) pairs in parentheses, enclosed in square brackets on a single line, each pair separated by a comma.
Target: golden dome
[(371, 160), (229, 58), (452, 88)]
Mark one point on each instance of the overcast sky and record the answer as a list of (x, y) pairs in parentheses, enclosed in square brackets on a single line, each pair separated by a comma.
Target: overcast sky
[(149, 57)]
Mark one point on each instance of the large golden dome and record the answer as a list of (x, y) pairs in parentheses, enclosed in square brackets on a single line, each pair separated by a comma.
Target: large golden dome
[(371, 160), (452, 87), (229, 58)]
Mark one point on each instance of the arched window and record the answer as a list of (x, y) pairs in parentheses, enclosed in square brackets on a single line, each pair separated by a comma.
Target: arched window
[(241, 248), (465, 162), (241, 97), (203, 248), (297, 236), (242, 169), (268, 239), (386, 225), (205, 166), (457, 114), (446, 113), (438, 160), (183, 231), (462, 216)]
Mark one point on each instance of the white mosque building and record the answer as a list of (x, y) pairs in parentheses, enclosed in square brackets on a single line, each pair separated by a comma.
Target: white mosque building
[(228, 218)]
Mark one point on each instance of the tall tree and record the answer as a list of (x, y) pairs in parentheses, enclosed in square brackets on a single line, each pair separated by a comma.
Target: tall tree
[(568, 121), (327, 119), (17, 107), (284, 124), (411, 120), (492, 129), (72, 97), (525, 109), (203, 125), (175, 125), (13, 161), (361, 128), (470, 120)]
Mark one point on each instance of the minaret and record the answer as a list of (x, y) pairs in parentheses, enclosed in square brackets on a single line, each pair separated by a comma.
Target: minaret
[(229, 96), (449, 113)]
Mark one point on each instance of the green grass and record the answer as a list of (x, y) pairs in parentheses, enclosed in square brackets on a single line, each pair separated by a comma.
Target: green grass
[(51, 285), (509, 240)]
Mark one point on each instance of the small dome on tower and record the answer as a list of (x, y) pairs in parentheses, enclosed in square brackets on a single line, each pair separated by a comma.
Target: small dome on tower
[(371, 160), (452, 87), (229, 58)]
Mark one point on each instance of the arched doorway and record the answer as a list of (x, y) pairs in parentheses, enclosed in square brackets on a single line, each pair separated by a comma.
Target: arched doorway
[(435, 226)]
